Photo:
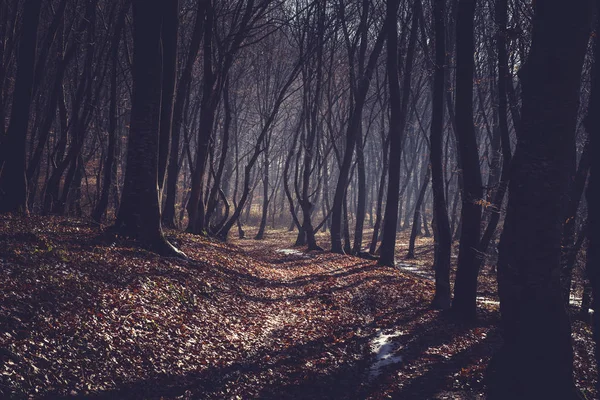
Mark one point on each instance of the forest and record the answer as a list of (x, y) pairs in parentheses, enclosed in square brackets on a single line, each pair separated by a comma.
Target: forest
[(303, 199)]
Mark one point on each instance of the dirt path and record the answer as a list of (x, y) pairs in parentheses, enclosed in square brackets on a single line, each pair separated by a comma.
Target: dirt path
[(86, 314)]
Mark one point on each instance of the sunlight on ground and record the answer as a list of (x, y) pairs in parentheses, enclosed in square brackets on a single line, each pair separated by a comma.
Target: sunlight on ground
[(485, 300), (417, 270), (293, 252), (384, 349)]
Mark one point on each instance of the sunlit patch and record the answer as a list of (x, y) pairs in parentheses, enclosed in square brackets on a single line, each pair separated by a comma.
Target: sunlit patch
[(293, 252), (385, 351), (484, 300)]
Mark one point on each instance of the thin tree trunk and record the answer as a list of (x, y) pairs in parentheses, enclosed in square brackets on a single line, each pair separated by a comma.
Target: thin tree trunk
[(417, 216), (183, 89), (110, 167), (168, 36), (399, 113), (465, 287)]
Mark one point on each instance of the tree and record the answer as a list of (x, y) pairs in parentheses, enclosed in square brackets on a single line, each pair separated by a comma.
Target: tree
[(182, 93), (399, 114), (361, 85), (442, 234), (465, 288), (536, 360), (110, 167), (13, 182), (139, 214), (592, 123)]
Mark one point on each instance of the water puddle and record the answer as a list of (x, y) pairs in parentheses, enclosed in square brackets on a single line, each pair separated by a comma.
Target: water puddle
[(293, 252), (385, 352), (419, 271)]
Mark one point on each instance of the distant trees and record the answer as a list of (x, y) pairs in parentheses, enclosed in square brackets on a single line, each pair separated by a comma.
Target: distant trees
[(360, 81)]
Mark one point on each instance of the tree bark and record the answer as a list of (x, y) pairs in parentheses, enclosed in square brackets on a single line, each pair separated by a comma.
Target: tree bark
[(139, 214), (536, 360), (110, 167), (417, 214), (13, 181), (182, 92), (399, 113), (168, 36), (351, 134), (465, 288), (592, 123)]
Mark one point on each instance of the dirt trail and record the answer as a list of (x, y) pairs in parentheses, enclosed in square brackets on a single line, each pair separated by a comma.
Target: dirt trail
[(85, 314)]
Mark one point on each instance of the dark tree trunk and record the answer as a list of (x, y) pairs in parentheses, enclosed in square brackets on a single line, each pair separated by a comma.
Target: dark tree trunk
[(465, 288), (418, 215), (139, 214), (351, 135), (586, 302), (110, 167), (13, 182), (399, 109), (265, 205), (380, 195), (195, 206), (503, 82), (569, 244), (536, 360), (183, 89), (362, 189), (346, 227), (168, 37), (593, 196)]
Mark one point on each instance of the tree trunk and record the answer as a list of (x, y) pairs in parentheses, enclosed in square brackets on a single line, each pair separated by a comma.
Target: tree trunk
[(417, 215), (195, 206), (265, 205), (465, 288), (399, 108), (380, 195), (362, 189), (569, 244), (183, 89), (503, 82), (168, 37), (536, 360), (139, 214), (110, 167), (592, 123), (351, 134), (13, 182)]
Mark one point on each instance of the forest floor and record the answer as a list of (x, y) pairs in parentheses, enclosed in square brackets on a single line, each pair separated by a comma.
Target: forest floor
[(87, 314)]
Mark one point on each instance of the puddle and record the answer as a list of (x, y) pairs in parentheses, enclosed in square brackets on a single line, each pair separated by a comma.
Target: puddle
[(385, 352), (419, 271), (293, 252)]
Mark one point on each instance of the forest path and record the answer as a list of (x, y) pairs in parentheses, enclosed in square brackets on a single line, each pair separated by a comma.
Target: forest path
[(280, 244), (83, 313)]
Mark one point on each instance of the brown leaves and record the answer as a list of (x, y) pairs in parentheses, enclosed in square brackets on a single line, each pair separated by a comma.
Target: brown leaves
[(82, 312)]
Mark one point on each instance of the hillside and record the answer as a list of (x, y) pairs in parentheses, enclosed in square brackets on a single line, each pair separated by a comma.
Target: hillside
[(87, 314)]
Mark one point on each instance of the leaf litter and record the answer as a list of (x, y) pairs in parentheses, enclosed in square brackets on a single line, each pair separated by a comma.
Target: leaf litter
[(85, 313)]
